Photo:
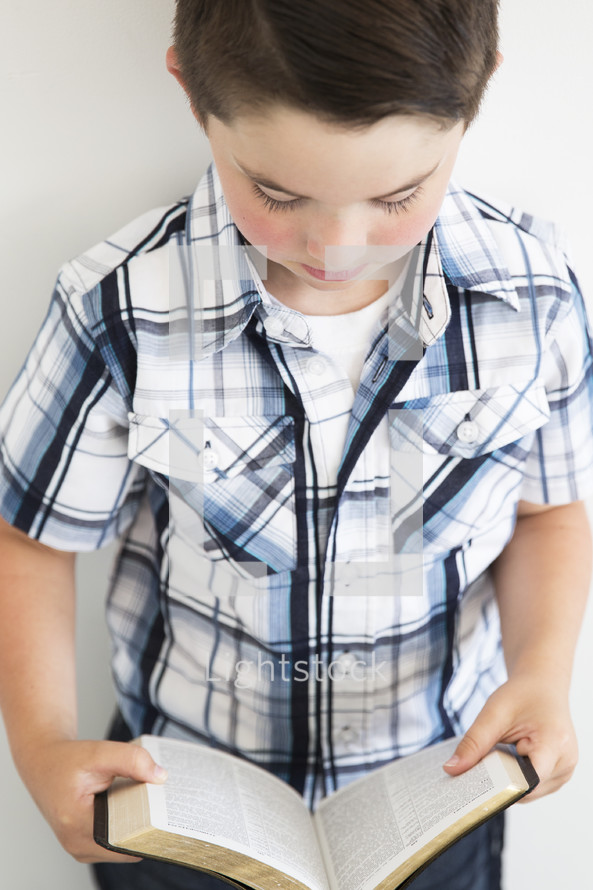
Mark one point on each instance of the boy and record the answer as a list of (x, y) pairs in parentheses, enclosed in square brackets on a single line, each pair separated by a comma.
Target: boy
[(307, 392)]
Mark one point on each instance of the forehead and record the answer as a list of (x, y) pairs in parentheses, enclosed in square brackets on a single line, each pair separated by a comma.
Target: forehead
[(306, 155)]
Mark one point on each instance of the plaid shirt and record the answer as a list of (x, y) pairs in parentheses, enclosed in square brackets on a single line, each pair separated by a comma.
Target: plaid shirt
[(317, 625)]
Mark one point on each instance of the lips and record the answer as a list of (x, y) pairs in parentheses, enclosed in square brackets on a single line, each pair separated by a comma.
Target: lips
[(332, 275)]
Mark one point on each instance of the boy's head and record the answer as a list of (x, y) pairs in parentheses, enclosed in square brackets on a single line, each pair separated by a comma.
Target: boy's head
[(348, 62), (334, 125)]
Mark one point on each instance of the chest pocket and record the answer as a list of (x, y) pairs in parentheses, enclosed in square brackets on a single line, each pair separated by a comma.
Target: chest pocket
[(231, 485), (472, 445), (469, 423)]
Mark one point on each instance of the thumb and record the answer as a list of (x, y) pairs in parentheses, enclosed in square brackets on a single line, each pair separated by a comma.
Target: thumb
[(128, 761), (480, 738)]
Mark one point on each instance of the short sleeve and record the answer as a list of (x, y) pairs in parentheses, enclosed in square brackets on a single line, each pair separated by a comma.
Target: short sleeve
[(65, 477), (559, 468)]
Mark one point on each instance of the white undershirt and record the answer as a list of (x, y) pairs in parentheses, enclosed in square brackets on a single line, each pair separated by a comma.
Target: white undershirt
[(346, 338), (345, 341)]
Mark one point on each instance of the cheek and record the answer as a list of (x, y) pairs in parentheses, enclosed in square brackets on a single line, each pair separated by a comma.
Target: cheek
[(276, 232), (277, 237), (407, 228)]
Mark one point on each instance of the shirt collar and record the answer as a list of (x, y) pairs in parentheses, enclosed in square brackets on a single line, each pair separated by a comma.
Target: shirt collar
[(220, 286), (461, 248), (470, 255)]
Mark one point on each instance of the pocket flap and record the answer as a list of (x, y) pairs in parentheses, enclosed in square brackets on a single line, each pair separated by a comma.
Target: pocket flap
[(469, 423), (197, 447)]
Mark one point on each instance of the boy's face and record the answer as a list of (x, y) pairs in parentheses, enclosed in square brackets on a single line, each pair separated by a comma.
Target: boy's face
[(335, 208)]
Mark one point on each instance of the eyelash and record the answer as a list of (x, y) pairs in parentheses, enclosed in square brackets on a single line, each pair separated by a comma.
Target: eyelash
[(388, 206)]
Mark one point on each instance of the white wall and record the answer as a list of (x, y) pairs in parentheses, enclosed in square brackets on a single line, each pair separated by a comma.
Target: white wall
[(94, 131)]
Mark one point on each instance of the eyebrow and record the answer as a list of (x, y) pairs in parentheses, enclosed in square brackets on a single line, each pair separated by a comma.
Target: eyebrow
[(269, 184)]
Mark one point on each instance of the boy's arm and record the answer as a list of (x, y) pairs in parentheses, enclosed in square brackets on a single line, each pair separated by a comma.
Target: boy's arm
[(542, 580), (38, 695)]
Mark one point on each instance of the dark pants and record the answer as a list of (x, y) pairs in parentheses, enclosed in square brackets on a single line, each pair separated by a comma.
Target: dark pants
[(473, 863)]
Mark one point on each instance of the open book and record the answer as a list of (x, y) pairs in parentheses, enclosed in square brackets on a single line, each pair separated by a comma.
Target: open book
[(221, 814)]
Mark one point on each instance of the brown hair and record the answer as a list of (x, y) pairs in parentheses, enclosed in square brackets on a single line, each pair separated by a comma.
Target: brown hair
[(349, 62)]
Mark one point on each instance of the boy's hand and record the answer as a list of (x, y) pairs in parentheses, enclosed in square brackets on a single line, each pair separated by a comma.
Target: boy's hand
[(64, 776), (542, 579), (535, 716)]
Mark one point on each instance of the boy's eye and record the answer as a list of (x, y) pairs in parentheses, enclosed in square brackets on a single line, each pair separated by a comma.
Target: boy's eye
[(292, 204), (399, 206), (272, 203)]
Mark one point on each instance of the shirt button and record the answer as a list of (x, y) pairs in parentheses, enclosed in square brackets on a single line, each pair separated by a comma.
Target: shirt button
[(316, 366), (274, 326), (348, 735), (468, 432), (347, 662), (209, 459)]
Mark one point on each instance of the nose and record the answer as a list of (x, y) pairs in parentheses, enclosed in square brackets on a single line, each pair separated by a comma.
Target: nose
[(337, 241)]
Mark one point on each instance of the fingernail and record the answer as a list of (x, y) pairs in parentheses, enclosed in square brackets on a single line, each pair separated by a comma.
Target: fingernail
[(160, 774), (452, 761)]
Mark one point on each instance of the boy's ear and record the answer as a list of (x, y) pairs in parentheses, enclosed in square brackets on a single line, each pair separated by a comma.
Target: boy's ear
[(173, 65), (499, 60), (173, 68)]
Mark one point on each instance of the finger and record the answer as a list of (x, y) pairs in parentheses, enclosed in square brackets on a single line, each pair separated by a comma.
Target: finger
[(480, 738), (544, 788), (129, 761), (102, 855), (544, 757), (553, 765)]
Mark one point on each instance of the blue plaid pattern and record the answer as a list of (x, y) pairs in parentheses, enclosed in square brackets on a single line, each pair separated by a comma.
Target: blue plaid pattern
[(319, 625)]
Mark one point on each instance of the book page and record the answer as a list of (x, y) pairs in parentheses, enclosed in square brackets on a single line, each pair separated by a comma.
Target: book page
[(218, 798), (369, 828)]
